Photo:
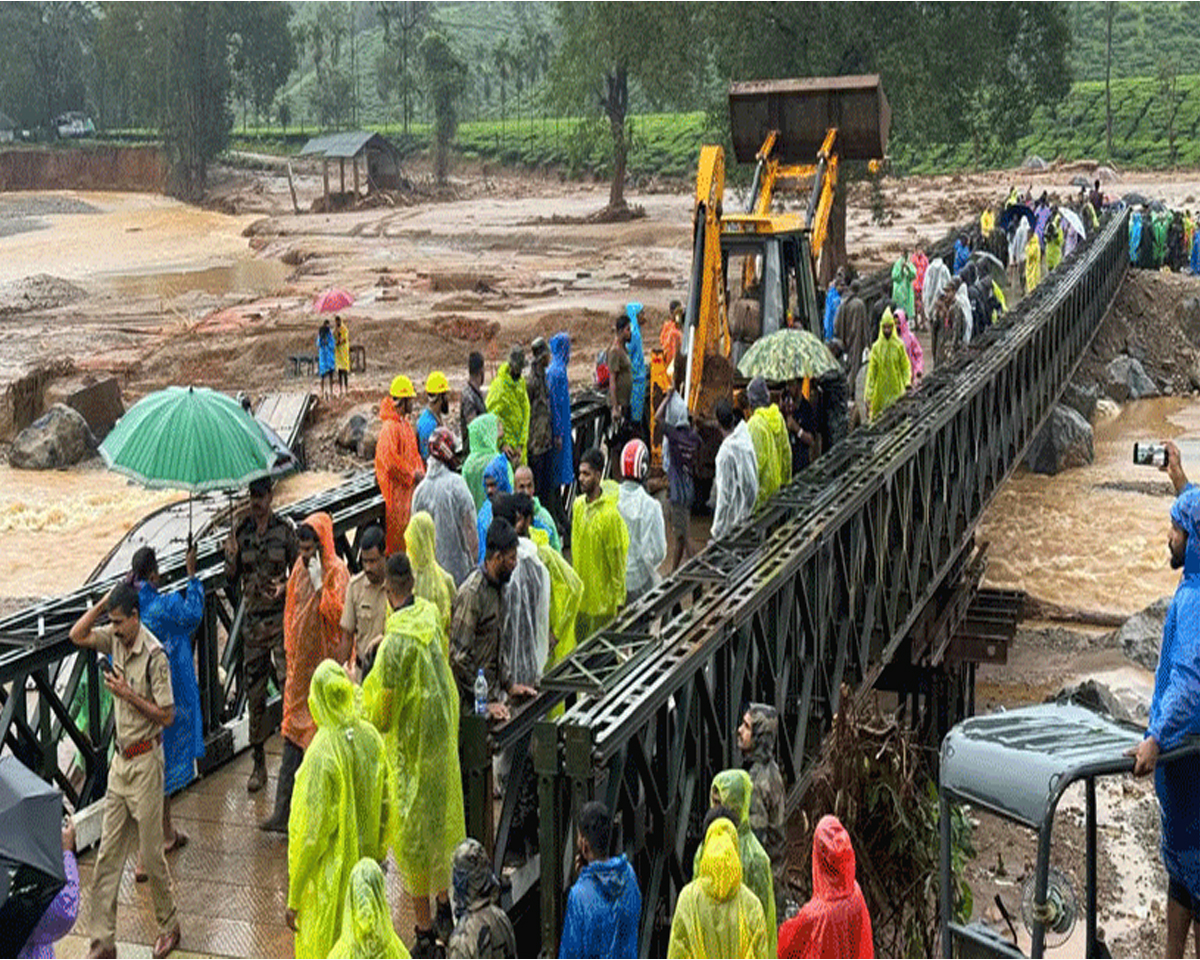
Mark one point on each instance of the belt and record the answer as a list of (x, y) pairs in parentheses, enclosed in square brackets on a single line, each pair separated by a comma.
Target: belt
[(142, 746)]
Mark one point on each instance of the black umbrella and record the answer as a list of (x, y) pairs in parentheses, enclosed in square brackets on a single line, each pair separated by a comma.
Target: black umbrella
[(1135, 200), (1017, 210), (1081, 181), (31, 857)]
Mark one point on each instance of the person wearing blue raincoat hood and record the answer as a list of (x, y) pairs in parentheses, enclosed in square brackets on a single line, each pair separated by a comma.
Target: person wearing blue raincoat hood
[(494, 475), (560, 419), (1175, 716), (637, 361), (605, 904)]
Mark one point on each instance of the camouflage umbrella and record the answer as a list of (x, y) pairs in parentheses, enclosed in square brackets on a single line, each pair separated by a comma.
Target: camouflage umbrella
[(787, 355)]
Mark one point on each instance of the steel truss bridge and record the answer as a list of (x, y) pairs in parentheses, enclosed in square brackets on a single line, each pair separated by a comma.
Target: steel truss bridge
[(862, 574)]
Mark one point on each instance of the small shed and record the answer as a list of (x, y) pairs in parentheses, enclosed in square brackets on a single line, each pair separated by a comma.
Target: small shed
[(382, 161), (8, 128)]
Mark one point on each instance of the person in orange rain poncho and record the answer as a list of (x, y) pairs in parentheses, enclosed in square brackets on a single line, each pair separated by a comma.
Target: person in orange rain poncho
[(398, 463), (312, 632), (835, 922)]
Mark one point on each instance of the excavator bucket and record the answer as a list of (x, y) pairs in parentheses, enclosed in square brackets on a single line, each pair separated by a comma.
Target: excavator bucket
[(803, 111)]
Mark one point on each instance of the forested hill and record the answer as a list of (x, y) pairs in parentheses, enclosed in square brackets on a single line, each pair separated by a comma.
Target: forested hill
[(1145, 38)]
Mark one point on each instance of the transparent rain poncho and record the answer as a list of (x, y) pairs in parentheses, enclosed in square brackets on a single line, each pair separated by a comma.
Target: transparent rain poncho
[(411, 699), (599, 549), (717, 915), (508, 399), (430, 581), (444, 495), (367, 930), (643, 518), (735, 790), (341, 810), (484, 432), (525, 633), (735, 486), (937, 275), (312, 628), (835, 922)]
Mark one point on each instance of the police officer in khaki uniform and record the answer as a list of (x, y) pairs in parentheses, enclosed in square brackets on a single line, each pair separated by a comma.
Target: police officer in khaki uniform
[(365, 612), (138, 674), (259, 555)]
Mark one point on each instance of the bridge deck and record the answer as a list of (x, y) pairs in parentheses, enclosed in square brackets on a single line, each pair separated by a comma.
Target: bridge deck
[(230, 880)]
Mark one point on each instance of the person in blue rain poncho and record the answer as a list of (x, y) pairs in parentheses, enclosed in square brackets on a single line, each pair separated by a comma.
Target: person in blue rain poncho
[(560, 421), (637, 361), (173, 618), (497, 479), (605, 904), (1175, 716)]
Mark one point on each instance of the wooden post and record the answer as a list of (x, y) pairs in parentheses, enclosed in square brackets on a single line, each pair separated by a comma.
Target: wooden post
[(355, 162), (325, 172), (342, 167), (292, 187)]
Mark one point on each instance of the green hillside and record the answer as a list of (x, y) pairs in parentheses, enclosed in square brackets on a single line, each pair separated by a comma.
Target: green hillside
[(1145, 36)]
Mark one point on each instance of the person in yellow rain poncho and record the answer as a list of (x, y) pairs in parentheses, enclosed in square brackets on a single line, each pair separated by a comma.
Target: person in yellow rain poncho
[(430, 581), (411, 699), (889, 371), (1054, 244), (342, 812), (733, 789), (508, 399), (768, 433), (599, 546), (484, 434), (367, 929), (716, 914), (1033, 262)]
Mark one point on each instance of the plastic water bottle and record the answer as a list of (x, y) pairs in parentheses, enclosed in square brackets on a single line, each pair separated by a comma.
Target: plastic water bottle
[(481, 694)]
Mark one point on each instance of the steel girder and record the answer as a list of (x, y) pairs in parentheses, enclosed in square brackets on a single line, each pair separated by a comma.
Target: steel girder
[(814, 595)]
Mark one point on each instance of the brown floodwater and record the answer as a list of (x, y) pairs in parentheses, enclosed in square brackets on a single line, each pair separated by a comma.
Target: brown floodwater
[(1095, 538), (252, 277)]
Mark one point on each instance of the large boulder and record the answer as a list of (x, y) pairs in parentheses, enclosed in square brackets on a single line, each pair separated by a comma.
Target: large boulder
[(1141, 635), (1126, 379), (370, 439), (1097, 696), (1081, 398), (359, 432), (59, 438), (1064, 442), (1188, 315)]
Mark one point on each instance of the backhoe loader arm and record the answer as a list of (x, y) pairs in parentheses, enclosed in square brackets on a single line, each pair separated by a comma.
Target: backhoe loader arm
[(707, 316)]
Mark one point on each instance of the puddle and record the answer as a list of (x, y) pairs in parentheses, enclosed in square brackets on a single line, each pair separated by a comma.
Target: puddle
[(251, 277)]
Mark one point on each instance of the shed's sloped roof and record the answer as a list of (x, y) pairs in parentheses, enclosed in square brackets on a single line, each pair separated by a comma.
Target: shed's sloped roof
[(343, 145), (7, 122)]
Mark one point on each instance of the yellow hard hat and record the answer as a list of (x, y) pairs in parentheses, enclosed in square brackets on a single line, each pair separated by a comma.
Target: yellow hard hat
[(402, 387), (437, 383)]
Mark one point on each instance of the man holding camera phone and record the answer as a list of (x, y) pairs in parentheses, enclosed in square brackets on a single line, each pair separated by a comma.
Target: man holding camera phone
[(138, 675)]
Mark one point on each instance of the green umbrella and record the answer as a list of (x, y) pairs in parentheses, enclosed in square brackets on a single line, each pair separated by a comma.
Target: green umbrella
[(188, 438), (787, 355)]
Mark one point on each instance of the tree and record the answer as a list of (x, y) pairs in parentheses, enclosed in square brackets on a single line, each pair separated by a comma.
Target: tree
[(43, 73), (608, 46), (404, 24), (445, 80), (1168, 89), (265, 51), (1108, 77)]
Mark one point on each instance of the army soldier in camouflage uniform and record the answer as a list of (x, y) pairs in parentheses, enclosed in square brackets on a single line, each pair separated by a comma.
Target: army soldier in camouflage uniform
[(483, 929), (756, 737), (259, 556)]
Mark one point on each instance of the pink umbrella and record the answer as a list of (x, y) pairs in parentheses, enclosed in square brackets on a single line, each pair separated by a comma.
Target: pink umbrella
[(331, 301)]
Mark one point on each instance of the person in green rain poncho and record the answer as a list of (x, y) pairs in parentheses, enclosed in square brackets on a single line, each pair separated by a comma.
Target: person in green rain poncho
[(732, 789), (889, 371), (903, 275), (508, 399), (430, 581), (484, 432), (341, 813), (411, 699), (599, 546), (716, 914), (768, 433), (367, 929)]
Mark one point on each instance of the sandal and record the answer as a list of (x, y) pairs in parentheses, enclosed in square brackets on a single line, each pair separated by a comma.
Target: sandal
[(180, 841)]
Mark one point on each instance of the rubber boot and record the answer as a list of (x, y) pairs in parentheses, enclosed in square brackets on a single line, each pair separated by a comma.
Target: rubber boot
[(289, 764), (258, 776)]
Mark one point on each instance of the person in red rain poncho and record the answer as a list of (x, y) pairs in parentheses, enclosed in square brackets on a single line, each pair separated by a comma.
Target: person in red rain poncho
[(835, 922), (398, 463)]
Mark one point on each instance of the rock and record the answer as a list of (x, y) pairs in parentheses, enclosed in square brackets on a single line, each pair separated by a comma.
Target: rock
[(1092, 693), (1035, 163), (1194, 374), (1106, 175), (1064, 441), (1081, 398), (1126, 379), (370, 437), (1187, 314), (59, 438), (350, 433), (1106, 410), (1141, 635)]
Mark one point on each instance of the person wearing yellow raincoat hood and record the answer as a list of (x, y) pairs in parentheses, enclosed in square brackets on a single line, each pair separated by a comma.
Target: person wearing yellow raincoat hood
[(1033, 262), (367, 929), (768, 433), (889, 371), (484, 433), (599, 546), (732, 789), (343, 811), (312, 632), (411, 698), (430, 581), (508, 399), (716, 914)]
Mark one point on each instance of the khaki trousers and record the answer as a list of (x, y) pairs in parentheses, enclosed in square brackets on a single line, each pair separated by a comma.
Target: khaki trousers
[(133, 809)]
